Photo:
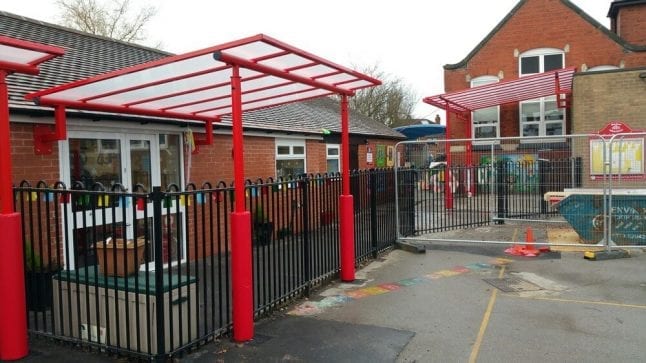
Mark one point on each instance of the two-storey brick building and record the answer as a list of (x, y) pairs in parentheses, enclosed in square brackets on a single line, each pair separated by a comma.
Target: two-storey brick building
[(541, 35)]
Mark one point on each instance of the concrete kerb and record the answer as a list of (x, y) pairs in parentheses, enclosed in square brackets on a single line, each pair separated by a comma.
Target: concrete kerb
[(410, 246)]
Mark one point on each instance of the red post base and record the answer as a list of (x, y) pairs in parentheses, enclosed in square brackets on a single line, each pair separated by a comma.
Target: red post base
[(242, 289), (346, 235), (13, 308)]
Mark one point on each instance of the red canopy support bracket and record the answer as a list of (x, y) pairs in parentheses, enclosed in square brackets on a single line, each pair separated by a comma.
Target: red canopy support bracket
[(44, 136), (561, 102), (208, 136)]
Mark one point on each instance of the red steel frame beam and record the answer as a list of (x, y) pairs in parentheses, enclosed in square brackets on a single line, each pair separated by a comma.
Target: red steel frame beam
[(20, 68), (118, 109), (231, 59)]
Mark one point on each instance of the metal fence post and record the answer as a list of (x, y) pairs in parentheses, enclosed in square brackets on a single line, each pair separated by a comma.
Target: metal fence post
[(502, 191), (305, 187), (543, 172), (373, 211), (578, 172), (157, 196)]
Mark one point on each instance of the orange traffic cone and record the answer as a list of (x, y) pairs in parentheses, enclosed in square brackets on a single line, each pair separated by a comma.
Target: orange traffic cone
[(530, 250)]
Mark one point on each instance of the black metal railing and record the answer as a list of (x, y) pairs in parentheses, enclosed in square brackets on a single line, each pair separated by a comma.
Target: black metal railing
[(147, 273), (521, 186), (469, 207)]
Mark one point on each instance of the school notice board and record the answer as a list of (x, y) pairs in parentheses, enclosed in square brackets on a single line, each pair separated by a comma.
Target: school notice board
[(626, 156)]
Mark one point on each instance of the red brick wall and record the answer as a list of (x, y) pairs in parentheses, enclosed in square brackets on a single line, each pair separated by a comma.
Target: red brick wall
[(316, 152), (27, 165), (632, 24), (537, 24), (213, 163)]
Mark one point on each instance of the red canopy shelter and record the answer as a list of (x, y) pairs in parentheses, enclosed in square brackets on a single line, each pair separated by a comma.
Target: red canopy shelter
[(557, 82), (204, 85), (16, 56), (538, 85)]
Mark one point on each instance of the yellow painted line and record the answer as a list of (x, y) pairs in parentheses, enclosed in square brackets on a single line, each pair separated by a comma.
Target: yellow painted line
[(586, 302), (485, 321), (487, 315)]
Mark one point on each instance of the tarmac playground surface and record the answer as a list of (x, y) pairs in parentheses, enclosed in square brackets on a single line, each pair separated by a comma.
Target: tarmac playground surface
[(453, 303)]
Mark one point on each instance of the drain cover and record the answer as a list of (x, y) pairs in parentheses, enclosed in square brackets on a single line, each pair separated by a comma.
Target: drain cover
[(512, 284)]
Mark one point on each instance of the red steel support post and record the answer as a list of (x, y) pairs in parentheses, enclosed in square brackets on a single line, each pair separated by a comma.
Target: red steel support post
[(470, 169), (346, 204), (448, 176), (243, 329), (6, 193), (13, 311)]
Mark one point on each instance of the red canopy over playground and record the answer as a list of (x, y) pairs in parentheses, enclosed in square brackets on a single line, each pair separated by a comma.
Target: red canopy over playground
[(462, 103), (204, 85)]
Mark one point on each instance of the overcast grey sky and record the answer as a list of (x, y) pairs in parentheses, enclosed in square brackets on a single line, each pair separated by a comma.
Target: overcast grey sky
[(411, 39)]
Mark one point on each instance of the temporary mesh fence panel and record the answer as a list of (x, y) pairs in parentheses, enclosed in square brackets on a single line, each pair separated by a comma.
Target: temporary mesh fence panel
[(574, 181)]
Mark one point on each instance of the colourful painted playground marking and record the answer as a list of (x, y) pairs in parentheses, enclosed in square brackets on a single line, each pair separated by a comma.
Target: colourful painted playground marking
[(316, 307)]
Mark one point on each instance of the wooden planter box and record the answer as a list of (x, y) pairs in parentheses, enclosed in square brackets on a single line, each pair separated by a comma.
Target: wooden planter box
[(124, 266)]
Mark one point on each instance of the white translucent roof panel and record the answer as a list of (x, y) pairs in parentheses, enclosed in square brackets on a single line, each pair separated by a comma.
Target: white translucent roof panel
[(197, 85), (21, 56), (24, 56)]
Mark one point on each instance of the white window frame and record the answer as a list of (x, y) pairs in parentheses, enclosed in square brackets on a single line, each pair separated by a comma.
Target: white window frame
[(481, 81), (291, 155), (124, 137), (540, 53), (542, 123), (329, 157)]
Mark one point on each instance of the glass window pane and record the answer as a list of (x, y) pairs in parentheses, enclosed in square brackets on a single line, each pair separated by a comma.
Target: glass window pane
[(486, 114), (553, 61), (530, 111), (95, 161), (485, 132), (292, 167), (333, 151), (140, 164), (530, 130), (552, 112), (554, 128), (529, 65), (282, 150), (332, 165), (169, 158), (299, 150)]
